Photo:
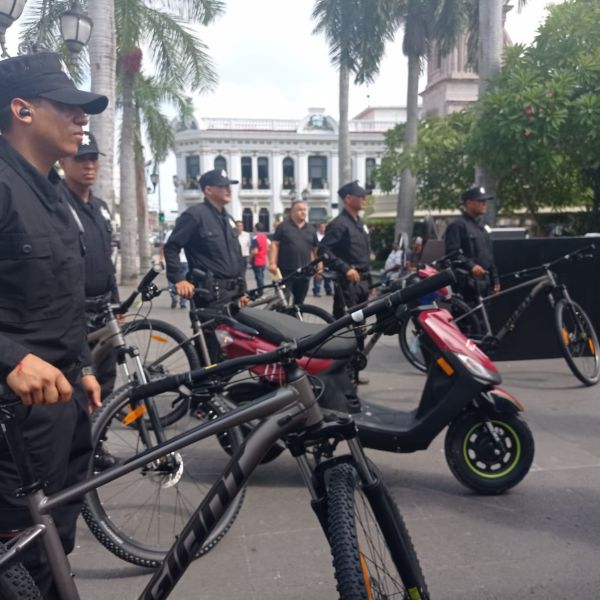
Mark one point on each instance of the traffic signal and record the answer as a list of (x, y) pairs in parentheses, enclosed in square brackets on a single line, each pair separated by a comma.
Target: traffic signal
[(161, 217)]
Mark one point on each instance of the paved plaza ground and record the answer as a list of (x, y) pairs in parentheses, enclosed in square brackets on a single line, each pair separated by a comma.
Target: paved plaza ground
[(540, 541)]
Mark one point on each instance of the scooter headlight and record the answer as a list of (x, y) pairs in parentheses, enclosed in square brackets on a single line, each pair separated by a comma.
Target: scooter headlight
[(477, 369)]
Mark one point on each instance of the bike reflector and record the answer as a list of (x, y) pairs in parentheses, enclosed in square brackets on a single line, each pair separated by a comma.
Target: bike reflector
[(159, 338), (134, 415)]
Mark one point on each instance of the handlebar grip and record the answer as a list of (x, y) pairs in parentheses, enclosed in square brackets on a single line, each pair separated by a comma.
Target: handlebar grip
[(149, 277)]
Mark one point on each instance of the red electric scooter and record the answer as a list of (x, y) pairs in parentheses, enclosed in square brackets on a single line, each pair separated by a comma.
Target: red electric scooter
[(489, 448)]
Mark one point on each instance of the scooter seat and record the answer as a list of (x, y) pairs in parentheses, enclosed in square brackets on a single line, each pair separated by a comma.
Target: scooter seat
[(277, 327)]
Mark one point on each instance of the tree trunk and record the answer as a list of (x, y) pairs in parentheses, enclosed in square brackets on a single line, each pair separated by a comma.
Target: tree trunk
[(491, 33), (102, 51), (129, 226), (407, 195), (145, 252), (345, 170)]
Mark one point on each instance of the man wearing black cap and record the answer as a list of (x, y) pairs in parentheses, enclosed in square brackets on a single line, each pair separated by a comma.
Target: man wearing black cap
[(81, 172), (43, 351), (470, 235), (208, 235), (348, 247)]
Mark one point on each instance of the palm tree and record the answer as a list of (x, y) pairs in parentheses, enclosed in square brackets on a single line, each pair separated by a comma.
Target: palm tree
[(103, 64), (425, 21), (357, 31)]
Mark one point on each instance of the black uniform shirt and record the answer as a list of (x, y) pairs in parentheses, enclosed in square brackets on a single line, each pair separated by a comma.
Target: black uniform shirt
[(469, 235), (346, 241), (99, 269), (295, 244), (210, 241), (41, 269)]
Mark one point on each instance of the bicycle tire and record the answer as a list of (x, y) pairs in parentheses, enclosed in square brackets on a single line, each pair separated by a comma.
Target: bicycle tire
[(469, 449), (357, 574), (153, 339), (125, 515), (408, 335), (578, 341), (16, 583), (309, 313)]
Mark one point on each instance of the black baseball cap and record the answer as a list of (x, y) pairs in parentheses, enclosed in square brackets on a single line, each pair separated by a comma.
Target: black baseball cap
[(88, 145), (352, 189), (44, 75), (216, 178), (475, 193)]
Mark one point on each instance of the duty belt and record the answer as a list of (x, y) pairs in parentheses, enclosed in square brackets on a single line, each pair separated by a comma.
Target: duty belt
[(228, 284)]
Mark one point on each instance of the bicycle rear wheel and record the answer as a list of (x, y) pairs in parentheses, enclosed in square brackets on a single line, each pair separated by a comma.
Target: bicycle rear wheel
[(409, 334), (164, 350), (577, 341), (138, 516), (373, 555), (16, 583), (309, 313)]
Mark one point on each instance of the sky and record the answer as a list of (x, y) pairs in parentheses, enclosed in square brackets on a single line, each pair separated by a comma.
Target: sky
[(270, 65)]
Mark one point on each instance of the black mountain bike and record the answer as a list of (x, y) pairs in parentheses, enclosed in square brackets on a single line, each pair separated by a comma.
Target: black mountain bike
[(373, 555), (575, 333)]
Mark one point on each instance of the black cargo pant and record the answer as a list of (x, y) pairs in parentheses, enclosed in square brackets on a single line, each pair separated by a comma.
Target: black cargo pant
[(58, 438), (296, 286)]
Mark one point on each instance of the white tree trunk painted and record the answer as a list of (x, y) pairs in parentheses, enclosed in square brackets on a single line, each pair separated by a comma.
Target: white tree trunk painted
[(129, 220), (142, 205), (102, 51), (407, 194), (344, 167), (491, 35)]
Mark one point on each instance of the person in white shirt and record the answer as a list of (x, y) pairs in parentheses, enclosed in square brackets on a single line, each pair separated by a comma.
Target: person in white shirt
[(244, 239), (319, 278), (394, 263)]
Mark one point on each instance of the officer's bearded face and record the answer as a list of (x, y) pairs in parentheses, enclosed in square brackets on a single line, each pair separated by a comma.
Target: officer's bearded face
[(356, 202)]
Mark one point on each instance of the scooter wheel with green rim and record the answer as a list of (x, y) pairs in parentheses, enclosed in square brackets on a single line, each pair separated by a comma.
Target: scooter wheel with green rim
[(482, 463)]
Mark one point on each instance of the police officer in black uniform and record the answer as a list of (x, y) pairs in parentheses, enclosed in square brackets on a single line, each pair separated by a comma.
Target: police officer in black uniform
[(43, 351), (347, 244), (470, 234), (348, 248), (208, 236), (81, 172)]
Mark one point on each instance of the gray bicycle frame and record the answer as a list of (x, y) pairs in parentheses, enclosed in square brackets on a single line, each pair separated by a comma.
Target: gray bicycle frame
[(288, 409), (539, 284)]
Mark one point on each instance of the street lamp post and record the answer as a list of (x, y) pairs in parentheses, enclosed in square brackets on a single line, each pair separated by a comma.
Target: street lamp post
[(75, 27)]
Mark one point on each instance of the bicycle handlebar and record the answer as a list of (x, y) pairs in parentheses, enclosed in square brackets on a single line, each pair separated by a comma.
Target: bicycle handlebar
[(148, 278), (298, 347)]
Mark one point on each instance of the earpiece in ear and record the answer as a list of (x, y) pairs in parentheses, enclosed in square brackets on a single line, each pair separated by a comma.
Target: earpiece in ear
[(25, 112)]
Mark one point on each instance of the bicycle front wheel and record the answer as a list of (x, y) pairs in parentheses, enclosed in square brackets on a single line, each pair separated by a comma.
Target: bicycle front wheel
[(164, 350), (578, 341), (373, 555), (138, 516), (16, 583)]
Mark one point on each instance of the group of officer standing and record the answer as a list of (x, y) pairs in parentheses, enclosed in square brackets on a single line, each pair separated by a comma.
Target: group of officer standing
[(55, 268)]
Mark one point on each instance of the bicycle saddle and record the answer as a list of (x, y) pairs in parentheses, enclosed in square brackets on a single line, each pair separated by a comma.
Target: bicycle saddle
[(277, 328)]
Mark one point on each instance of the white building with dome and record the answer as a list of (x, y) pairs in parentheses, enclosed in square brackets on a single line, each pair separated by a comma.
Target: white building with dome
[(278, 159)]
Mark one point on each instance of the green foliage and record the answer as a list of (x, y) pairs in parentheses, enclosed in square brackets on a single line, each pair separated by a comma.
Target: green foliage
[(439, 160), (382, 238), (538, 126)]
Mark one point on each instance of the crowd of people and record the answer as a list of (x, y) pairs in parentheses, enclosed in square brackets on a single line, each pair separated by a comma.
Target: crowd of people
[(55, 269)]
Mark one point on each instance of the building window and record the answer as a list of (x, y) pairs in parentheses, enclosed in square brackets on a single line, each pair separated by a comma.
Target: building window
[(289, 178), (247, 219), (263, 173), (263, 218), (246, 172), (221, 163), (369, 180), (317, 172), (192, 172)]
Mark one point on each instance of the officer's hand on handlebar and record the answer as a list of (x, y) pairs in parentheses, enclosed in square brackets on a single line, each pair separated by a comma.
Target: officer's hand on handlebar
[(353, 276), (478, 272), (185, 289), (37, 382), (244, 300)]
